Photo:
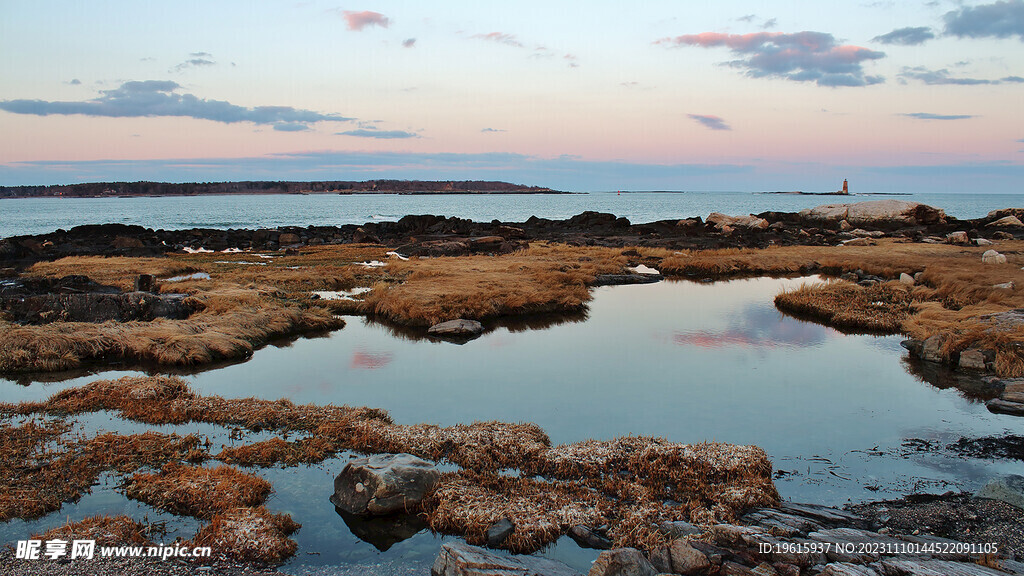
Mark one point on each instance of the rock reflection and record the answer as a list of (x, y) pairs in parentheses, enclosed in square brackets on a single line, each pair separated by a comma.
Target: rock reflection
[(512, 324), (383, 532)]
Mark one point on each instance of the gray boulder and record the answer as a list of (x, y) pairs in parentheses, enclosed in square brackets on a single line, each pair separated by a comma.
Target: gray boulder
[(460, 328), (461, 559), (384, 484), (680, 558), (622, 562), (1008, 488)]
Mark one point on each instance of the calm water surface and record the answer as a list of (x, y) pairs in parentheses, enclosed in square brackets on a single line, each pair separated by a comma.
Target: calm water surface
[(41, 215), (686, 361)]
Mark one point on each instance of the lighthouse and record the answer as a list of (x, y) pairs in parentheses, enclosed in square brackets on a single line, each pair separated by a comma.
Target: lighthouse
[(846, 186)]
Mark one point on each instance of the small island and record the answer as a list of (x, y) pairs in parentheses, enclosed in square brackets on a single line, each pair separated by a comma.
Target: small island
[(135, 189)]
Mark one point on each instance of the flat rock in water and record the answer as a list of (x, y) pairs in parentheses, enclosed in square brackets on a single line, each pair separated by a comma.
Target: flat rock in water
[(460, 328), (461, 559), (1000, 406), (589, 538), (384, 484), (1008, 488), (621, 279)]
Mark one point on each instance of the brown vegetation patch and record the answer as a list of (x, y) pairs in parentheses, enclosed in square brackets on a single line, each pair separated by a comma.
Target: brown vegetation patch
[(468, 504), (40, 467), (196, 491), (847, 306), (278, 451), (249, 535), (540, 279), (169, 400), (477, 446), (105, 530), (230, 325)]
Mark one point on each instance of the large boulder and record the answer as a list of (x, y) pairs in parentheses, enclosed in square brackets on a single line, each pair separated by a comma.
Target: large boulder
[(720, 221), (1008, 488), (622, 562), (1006, 222), (878, 213), (461, 559), (384, 484), (680, 558)]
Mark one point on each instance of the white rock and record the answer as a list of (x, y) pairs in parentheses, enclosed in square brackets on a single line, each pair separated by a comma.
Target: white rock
[(982, 242), (959, 237), (1007, 285), (751, 221), (906, 279), (993, 257)]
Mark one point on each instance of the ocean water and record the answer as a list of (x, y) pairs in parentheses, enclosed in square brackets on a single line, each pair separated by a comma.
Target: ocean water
[(41, 215)]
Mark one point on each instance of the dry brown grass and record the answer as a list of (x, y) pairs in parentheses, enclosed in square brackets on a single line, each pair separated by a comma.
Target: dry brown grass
[(279, 451), (105, 530), (231, 325), (849, 307), (540, 279), (467, 504), (249, 535), (242, 306), (196, 491)]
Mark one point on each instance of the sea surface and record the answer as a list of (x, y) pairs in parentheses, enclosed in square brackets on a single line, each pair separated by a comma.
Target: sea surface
[(41, 215), (841, 416)]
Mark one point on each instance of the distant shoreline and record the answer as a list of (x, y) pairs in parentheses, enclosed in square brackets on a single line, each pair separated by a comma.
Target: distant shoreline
[(242, 188)]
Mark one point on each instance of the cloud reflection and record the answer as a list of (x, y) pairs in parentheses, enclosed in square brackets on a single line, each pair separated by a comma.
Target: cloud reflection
[(365, 360), (757, 326)]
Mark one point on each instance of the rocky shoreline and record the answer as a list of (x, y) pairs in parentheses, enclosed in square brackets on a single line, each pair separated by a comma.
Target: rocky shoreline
[(428, 235)]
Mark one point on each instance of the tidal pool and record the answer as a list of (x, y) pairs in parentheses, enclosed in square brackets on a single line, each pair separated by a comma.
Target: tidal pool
[(682, 360)]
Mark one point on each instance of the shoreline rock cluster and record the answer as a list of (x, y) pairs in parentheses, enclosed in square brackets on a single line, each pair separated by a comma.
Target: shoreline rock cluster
[(429, 235)]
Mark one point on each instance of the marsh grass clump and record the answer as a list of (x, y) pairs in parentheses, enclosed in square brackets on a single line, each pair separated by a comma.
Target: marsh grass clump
[(229, 326), (105, 530), (540, 279), (484, 446), (849, 307), (169, 400), (249, 535), (468, 503), (277, 451), (197, 491)]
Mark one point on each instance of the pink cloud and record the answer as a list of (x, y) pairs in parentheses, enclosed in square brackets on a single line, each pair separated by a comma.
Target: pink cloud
[(360, 20), (501, 38), (799, 56)]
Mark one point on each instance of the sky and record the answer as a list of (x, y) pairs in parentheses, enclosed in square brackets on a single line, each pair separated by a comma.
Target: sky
[(575, 95)]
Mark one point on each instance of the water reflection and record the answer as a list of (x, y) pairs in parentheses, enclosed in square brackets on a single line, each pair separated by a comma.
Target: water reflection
[(757, 326), (383, 532), (366, 360)]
